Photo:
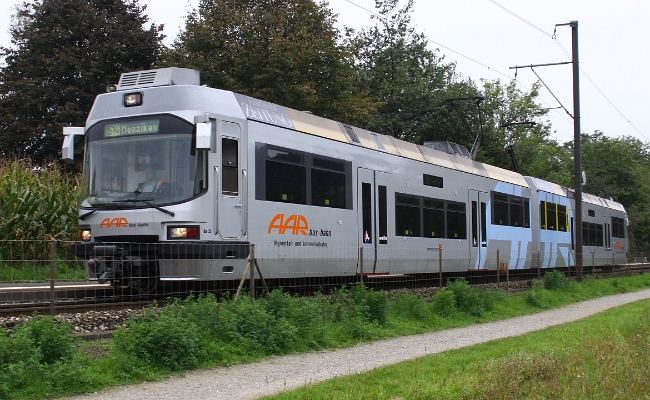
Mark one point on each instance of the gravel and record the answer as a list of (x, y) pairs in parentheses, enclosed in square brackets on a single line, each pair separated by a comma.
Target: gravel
[(250, 381)]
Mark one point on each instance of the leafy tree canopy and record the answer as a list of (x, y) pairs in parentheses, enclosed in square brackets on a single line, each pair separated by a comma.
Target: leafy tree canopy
[(407, 81), (65, 52), (286, 52)]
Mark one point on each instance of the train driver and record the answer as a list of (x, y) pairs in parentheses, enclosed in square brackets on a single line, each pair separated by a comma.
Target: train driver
[(151, 183)]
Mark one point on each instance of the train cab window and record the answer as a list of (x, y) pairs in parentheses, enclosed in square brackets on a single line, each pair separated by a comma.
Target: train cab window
[(286, 176), (229, 173), (431, 180), (330, 190)]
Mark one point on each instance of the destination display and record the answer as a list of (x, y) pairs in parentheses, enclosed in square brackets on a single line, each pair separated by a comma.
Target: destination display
[(131, 128)]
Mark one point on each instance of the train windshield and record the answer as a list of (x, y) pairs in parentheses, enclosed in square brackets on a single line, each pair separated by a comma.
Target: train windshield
[(142, 162)]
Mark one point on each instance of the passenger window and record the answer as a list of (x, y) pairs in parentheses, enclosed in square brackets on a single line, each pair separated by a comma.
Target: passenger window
[(328, 183), (286, 177), (229, 162)]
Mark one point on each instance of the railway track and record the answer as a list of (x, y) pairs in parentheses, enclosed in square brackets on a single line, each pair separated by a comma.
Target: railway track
[(83, 297)]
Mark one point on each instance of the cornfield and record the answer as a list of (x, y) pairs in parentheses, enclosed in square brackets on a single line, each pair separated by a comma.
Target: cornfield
[(37, 203)]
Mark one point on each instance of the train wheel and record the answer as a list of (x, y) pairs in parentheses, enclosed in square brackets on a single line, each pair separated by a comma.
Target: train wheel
[(144, 279)]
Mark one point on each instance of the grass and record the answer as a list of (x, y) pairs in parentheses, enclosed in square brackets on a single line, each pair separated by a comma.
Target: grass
[(40, 272), (606, 356), (201, 333)]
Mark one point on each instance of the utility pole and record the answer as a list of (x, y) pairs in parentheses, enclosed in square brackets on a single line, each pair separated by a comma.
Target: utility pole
[(577, 158)]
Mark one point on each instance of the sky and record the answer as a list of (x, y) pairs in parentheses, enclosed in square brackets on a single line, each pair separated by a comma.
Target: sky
[(485, 38)]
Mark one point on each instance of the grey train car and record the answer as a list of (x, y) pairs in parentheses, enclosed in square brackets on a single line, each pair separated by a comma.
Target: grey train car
[(179, 179)]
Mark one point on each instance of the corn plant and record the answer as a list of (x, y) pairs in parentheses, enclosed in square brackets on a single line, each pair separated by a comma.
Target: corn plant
[(37, 204)]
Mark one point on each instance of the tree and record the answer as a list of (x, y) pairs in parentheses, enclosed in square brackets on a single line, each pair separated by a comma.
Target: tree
[(620, 168), (510, 113), (283, 51), (407, 81), (65, 52)]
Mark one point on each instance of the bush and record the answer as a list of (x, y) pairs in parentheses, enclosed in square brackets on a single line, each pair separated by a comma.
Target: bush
[(555, 280), (468, 300), (410, 306), (538, 296), (373, 305), (444, 303), (250, 325), (164, 340)]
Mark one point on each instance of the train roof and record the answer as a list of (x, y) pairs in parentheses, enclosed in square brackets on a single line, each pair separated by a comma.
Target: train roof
[(554, 188), (274, 114)]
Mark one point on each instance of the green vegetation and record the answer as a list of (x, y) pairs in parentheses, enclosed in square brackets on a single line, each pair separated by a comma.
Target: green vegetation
[(40, 360), (37, 204), (605, 356)]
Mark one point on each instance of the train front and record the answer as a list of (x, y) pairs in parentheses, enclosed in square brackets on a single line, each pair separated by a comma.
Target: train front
[(146, 206)]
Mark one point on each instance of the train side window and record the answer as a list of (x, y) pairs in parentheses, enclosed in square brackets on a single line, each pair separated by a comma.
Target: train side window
[(229, 174), (551, 216), (483, 224), (591, 213), (512, 210), (618, 227), (562, 219), (407, 215), (434, 218), (431, 180), (516, 211), (330, 178), (474, 224), (500, 209), (383, 215), (542, 214), (286, 176), (592, 234), (456, 221), (366, 212)]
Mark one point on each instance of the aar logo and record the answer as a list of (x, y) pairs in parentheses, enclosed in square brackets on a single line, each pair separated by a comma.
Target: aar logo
[(114, 223), (296, 224)]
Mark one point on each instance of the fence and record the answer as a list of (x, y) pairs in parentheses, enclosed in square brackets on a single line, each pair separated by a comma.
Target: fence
[(61, 277)]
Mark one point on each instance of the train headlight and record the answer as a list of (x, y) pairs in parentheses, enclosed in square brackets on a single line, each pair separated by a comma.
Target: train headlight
[(84, 235), (132, 99), (183, 232)]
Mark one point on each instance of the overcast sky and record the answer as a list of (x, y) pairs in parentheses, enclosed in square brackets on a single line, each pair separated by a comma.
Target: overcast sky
[(487, 37)]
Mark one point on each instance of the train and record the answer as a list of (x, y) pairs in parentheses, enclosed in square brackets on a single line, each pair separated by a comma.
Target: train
[(180, 179)]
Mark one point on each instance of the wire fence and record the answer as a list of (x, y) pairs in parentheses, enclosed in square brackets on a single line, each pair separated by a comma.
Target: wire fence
[(53, 273)]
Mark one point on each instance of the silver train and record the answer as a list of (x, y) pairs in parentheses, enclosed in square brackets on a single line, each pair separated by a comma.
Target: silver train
[(179, 179)]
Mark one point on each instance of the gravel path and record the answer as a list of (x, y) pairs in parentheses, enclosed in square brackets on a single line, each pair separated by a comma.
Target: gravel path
[(250, 381)]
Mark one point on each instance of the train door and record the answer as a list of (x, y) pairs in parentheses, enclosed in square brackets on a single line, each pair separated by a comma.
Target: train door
[(478, 229), (372, 195), (229, 170)]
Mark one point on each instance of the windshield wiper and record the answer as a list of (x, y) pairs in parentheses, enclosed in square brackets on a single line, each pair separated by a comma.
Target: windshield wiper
[(147, 202), (94, 210)]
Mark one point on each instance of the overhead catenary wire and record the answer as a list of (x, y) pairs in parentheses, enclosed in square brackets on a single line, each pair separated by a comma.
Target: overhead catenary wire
[(554, 38)]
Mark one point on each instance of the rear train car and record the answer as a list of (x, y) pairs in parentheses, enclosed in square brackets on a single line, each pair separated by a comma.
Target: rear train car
[(180, 179)]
